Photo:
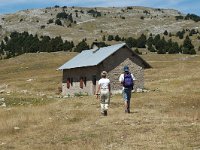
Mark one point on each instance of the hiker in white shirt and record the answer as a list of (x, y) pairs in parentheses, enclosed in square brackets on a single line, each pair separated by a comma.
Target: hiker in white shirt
[(127, 81), (104, 91)]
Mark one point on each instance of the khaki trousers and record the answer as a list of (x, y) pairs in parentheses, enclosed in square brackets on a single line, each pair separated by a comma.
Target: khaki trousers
[(105, 99)]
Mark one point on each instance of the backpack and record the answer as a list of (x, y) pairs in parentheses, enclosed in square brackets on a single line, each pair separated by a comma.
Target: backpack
[(128, 81)]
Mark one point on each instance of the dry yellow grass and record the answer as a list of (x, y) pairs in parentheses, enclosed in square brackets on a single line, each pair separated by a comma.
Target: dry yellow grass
[(167, 117), (40, 68)]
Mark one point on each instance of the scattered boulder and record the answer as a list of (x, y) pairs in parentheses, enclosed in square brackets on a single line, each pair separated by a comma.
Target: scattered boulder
[(29, 80), (144, 90), (2, 99), (24, 91), (3, 104), (139, 90), (2, 91), (16, 128), (2, 143)]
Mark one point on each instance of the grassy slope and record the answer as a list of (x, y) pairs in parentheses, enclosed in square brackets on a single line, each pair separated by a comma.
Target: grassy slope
[(165, 118), (40, 68)]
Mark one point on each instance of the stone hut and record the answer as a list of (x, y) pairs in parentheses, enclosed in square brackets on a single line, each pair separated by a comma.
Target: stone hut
[(81, 73)]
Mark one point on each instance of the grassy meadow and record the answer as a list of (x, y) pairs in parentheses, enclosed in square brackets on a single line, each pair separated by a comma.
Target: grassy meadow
[(166, 117)]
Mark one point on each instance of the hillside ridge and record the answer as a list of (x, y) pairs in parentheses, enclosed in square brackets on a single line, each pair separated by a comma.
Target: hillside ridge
[(125, 21)]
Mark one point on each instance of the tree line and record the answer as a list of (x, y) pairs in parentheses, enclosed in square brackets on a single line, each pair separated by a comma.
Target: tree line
[(157, 43), (193, 17), (20, 43)]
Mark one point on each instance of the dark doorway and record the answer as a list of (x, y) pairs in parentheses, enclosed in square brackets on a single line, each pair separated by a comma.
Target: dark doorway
[(94, 82)]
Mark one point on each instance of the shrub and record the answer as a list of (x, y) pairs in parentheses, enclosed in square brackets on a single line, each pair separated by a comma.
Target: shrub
[(81, 46), (94, 13), (179, 17), (192, 17), (58, 22), (165, 33), (50, 21), (42, 26), (142, 17), (110, 37), (63, 15)]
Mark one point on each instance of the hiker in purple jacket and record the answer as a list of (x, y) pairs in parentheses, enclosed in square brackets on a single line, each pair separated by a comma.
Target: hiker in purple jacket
[(127, 81)]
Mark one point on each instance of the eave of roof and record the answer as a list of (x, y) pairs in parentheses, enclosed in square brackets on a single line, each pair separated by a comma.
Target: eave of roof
[(91, 57)]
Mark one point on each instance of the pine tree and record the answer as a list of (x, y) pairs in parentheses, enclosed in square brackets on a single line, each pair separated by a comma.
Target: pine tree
[(152, 49), (187, 43), (150, 42), (34, 47), (180, 34), (81, 46), (161, 51), (174, 49), (188, 47), (57, 44), (141, 41), (156, 39), (185, 50), (67, 46), (110, 37), (45, 45), (192, 51), (165, 33), (117, 38), (160, 46), (131, 42)]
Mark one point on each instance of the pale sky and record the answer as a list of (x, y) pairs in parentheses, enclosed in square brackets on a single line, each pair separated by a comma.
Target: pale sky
[(185, 6)]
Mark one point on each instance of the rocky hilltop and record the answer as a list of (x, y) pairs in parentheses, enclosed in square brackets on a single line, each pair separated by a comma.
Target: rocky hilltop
[(93, 23)]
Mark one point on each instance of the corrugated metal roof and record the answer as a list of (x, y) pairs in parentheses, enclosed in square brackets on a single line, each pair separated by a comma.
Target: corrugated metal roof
[(91, 57)]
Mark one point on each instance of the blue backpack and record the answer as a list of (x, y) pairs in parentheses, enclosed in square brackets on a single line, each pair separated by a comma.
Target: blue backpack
[(128, 81)]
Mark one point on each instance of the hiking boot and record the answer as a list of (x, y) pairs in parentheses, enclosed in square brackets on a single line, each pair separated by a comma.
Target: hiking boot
[(127, 111), (105, 113)]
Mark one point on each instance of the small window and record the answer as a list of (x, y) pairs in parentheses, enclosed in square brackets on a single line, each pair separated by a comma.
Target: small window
[(81, 82), (68, 83)]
